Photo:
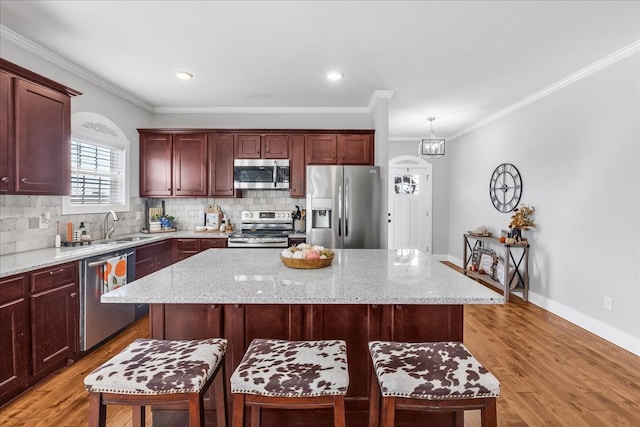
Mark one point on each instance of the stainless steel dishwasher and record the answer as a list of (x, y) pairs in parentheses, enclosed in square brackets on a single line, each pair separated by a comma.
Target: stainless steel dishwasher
[(99, 321)]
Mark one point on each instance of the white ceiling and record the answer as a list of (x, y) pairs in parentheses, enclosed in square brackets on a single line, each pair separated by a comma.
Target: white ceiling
[(460, 61)]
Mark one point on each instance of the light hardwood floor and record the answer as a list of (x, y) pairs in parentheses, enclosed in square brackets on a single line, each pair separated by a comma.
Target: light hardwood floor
[(552, 373)]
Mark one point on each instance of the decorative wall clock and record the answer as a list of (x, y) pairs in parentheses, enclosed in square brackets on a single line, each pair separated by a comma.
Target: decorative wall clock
[(505, 187)]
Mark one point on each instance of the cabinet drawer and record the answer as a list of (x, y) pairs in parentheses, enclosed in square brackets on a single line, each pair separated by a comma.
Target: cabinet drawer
[(153, 249), (212, 243), (12, 288), (54, 276), (188, 245)]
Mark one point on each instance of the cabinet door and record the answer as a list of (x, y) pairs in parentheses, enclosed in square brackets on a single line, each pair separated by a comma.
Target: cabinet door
[(275, 147), (14, 335), (6, 149), (297, 167), (54, 327), (321, 149), (247, 146), (221, 165), (355, 150), (42, 120), (190, 165), (186, 248), (156, 158)]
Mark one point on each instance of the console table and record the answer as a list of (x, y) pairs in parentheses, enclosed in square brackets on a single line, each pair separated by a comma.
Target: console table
[(516, 255)]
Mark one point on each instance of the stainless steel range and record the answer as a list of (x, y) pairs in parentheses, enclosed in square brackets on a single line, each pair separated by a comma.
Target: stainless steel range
[(262, 229)]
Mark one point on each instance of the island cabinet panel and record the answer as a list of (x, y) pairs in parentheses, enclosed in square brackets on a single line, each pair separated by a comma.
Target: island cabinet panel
[(413, 323), (14, 336)]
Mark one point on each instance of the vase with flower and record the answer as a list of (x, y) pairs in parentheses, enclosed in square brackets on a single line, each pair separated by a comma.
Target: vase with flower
[(522, 219)]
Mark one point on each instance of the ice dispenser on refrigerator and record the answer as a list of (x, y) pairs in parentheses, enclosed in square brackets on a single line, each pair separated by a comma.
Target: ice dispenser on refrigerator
[(321, 213)]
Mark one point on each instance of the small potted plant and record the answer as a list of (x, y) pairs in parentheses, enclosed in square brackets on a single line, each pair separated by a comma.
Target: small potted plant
[(522, 219), (166, 221)]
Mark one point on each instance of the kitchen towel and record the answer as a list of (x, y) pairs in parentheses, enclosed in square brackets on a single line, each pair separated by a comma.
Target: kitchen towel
[(115, 273)]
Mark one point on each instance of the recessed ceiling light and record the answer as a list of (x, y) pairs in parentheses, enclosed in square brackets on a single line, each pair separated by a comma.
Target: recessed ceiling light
[(184, 75), (334, 75)]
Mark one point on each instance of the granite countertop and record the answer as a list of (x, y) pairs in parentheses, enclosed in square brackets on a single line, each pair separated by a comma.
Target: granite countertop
[(257, 276), (22, 262)]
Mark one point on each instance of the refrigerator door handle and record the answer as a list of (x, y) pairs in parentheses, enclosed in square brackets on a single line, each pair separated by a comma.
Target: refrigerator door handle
[(340, 201), (346, 206)]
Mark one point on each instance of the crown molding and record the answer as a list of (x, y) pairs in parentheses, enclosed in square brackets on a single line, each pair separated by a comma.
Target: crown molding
[(608, 60), (377, 96), (261, 110), (41, 51)]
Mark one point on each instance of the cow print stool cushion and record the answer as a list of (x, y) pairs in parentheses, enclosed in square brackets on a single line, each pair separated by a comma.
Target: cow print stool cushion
[(437, 370), (150, 366), (292, 369)]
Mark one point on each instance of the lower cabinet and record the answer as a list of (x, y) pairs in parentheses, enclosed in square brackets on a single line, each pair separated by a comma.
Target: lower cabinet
[(38, 326), (184, 248), (153, 257)]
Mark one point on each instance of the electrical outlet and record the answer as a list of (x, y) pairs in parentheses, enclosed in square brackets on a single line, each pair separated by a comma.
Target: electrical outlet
[(43, 222), (608, 303)]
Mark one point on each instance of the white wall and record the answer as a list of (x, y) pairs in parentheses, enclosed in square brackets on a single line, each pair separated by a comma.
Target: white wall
[(578, 153)]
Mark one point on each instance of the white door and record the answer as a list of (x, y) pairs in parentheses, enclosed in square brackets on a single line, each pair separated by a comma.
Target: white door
[(410, 199)]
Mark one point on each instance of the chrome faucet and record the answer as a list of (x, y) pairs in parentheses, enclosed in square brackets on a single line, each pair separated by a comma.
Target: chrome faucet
[(109, 232)]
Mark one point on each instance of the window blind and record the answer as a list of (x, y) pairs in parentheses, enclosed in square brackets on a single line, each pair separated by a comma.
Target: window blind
[(96, 174)]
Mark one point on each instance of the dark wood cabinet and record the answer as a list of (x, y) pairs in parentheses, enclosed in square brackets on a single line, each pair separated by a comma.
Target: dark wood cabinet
[(211, 243), (184, 248), (296, 241), (6, 149), (14, 336), (339, 149), (153, 257), (261, 146), (221, 151), (297, 167), (156, 165), (190, 165), (173, 165), (35, 133)]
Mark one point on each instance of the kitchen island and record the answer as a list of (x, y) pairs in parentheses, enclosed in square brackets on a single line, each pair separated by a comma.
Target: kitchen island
[(366, 294)]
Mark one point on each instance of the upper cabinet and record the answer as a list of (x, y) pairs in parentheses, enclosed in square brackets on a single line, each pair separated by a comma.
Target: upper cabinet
[(261, 146), (35, 133), (173, 164), (221, 149), (297, 167), (339, 149)]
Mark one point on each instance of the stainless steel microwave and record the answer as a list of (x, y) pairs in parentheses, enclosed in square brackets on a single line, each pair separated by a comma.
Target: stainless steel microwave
[(265, 174)]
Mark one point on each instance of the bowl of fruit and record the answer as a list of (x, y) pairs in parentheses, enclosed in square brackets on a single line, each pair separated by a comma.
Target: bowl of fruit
[(307, 256)]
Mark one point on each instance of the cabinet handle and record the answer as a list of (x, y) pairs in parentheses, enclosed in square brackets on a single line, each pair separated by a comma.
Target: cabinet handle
[(23, 180), (5, 179), (56, 272), (398, 306)]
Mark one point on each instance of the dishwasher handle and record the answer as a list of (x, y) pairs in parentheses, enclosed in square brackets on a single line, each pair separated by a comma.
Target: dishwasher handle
[(102, 262)]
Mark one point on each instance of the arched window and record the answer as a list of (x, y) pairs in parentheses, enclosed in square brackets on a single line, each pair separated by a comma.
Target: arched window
[(99, 166)]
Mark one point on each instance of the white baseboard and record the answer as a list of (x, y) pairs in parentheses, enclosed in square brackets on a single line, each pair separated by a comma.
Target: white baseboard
[(615, 336)]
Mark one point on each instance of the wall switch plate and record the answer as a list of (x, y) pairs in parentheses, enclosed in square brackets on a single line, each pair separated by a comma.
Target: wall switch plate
[(608, 303)]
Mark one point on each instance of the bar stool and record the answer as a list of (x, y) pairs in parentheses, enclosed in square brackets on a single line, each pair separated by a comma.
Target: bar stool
[(290, 375), (149, 372), (432, 376)]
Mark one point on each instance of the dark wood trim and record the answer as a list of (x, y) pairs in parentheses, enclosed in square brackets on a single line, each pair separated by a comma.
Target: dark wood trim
[(18, 71), (258, 131)]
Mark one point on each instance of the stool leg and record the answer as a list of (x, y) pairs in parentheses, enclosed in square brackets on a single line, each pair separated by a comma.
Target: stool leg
[(139, 416), (256, 413), (97, 411), (220, 397), (238, 410), (374, 402), (196, 410), (489, 414), (458, 416), (388, 411), (338, 411)]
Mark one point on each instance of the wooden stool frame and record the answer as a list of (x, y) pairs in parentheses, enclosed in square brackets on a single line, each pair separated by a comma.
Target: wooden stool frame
[(257, 402), (486, 405), (99, 400)]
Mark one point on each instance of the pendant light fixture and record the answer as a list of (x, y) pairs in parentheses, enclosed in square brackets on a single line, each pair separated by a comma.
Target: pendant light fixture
[(431, 146)]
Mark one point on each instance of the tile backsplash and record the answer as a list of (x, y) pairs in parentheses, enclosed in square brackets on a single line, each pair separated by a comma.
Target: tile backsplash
[(20, 216)]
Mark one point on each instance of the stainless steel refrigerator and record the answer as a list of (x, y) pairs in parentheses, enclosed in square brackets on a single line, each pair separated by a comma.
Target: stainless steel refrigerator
[(343, 206)]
